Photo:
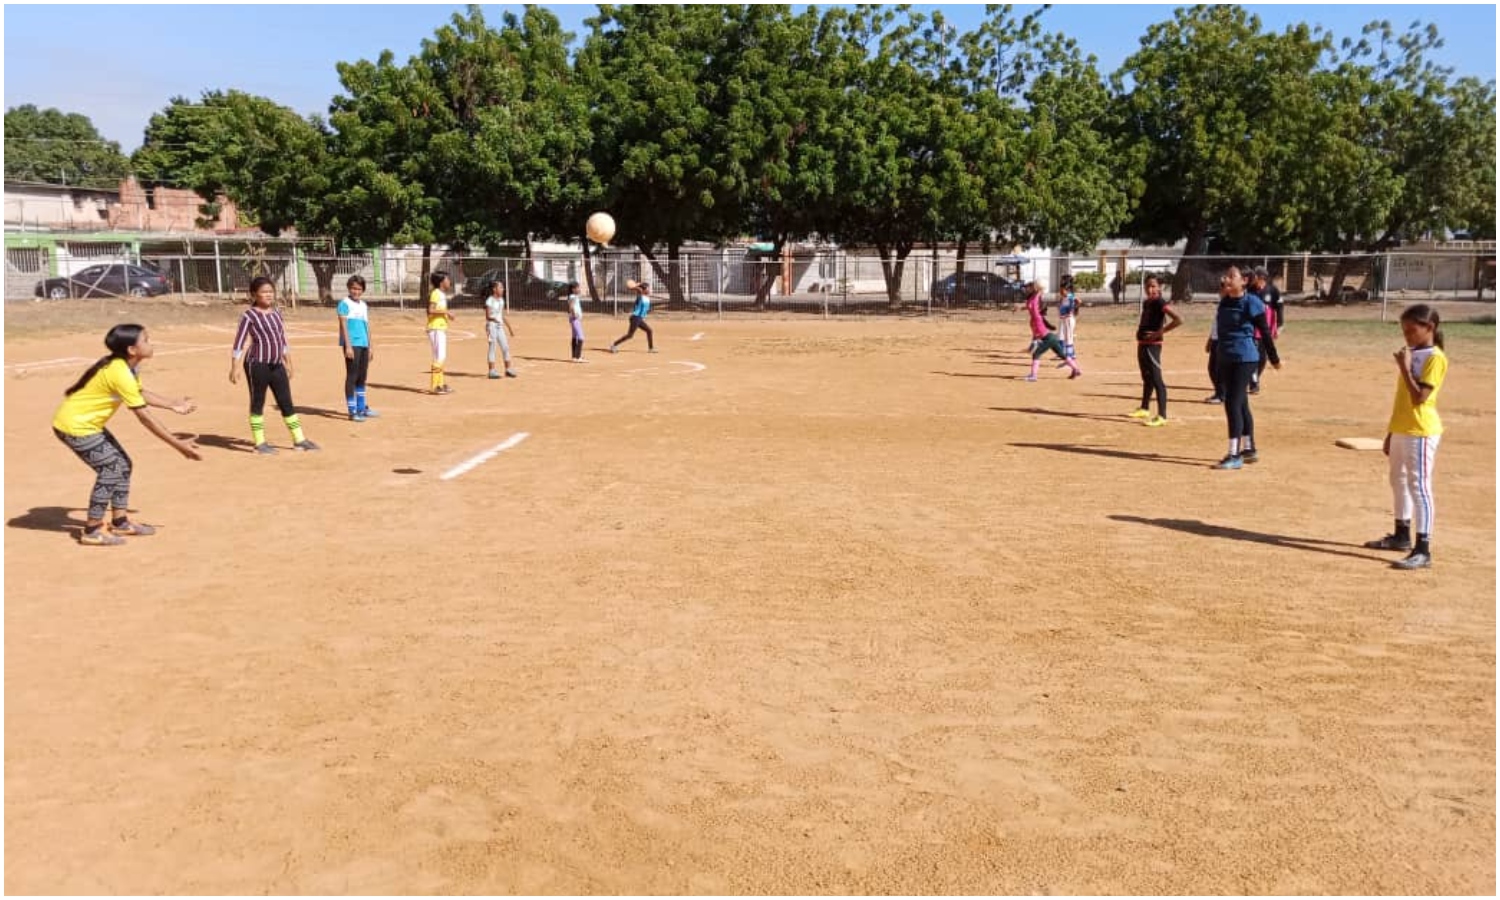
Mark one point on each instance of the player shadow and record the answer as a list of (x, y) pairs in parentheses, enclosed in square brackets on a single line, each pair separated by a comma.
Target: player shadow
[(1119, 454), (551, 359), (980, 375), (219, 441), (49, 518), (1036, 410), (318, 412), (1193, 526), (400, 387)]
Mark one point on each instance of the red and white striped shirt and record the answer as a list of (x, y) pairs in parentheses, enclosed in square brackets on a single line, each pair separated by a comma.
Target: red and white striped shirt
[(267, 333)]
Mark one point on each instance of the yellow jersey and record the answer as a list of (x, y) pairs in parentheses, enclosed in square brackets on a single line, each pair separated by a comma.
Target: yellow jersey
[(437, 306), (85, 411), (1429, 366)]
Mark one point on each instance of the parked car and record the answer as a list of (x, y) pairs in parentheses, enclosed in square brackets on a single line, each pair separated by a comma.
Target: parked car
[(109, 280), (520, 287), (979, 287)]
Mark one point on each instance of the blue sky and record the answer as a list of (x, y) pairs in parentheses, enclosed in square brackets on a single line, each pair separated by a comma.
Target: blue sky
[(118, 64)]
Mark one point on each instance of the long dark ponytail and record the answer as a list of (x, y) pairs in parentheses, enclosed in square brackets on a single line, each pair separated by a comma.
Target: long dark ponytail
[(1426, 315), (119, 341)]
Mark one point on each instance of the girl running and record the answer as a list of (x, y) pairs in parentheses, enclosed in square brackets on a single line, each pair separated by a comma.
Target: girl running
[(354, 339), (638, 319), (1149, 334), (575, 321), (1412, 437), (267, 365), (86, 408), (1238, 315), (496, 325), (1043, 336), (438, 318)]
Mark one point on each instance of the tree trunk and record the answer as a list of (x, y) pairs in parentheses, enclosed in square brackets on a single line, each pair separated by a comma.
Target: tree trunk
[(958, 282), (1182, 282), (664, 275), (588, 268), (323, 270), (893, 266), (676, 297), (1340, 272), (764, 276), (426, 273)]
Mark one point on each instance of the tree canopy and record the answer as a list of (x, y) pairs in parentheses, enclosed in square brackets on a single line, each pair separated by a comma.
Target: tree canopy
[(877, 125), (49, 146)]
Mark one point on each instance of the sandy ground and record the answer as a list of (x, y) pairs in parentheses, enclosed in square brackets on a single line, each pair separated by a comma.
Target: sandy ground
[(851, 608)]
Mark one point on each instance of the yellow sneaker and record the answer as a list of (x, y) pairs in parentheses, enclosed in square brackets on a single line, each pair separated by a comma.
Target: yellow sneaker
[(1156, 422), (1141, 414)]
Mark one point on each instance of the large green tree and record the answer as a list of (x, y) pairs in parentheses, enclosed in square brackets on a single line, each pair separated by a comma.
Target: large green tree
[(1208, 93), (48, 146), (659, 133), (263, 156)]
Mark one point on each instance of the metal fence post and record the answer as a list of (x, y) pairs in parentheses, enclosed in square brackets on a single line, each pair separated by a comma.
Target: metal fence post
[(1385, 281), (218, 270)]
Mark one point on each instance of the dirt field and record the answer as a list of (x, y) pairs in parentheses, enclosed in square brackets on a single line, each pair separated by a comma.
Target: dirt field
[(851, 608)]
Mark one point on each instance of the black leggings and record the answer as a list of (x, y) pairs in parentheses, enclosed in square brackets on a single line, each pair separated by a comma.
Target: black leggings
[(111, 465), (1214, 375), (1260, 368), (269, 375), (1236, 376), (356, 370), (1148, 357), (638, 322), (577, 348)]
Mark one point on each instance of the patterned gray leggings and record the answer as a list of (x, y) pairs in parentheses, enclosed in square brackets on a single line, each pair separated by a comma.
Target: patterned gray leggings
[(111, 465)]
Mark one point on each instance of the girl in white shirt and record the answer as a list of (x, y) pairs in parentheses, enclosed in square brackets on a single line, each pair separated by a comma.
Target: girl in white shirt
[(575, 321)]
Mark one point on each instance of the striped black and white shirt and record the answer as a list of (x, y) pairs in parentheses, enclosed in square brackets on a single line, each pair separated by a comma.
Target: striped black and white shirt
[(267, 334)]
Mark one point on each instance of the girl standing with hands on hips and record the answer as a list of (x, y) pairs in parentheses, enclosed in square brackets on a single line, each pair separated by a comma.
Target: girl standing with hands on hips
[(1149, 335), (1238, 316), (79, 423), (1412, 437), (267, 364)]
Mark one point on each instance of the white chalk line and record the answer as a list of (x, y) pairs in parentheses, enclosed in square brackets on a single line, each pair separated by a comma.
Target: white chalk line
[(697, 337), (485, 457), (692, 368)]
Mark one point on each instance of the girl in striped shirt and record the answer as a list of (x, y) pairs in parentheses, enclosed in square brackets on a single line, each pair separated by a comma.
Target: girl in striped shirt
[(266, 365)]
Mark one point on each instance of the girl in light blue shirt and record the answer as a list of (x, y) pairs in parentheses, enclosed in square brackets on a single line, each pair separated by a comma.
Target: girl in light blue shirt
[(638, 319)]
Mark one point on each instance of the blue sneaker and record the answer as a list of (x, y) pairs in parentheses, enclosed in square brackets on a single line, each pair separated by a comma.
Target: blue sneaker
[(356, 417), (1230, 462), (369, 414)]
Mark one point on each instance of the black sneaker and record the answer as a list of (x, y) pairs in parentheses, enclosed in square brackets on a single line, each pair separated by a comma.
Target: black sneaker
[(1417, 560), (1214, 399), (1390, 542)]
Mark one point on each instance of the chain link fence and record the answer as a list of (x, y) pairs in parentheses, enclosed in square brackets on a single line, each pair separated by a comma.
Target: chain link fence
[(749, 280)]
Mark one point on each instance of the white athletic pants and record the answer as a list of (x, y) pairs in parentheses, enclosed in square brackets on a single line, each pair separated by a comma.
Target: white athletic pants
[(1067, 327), (438, 338), (1411, 479)]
